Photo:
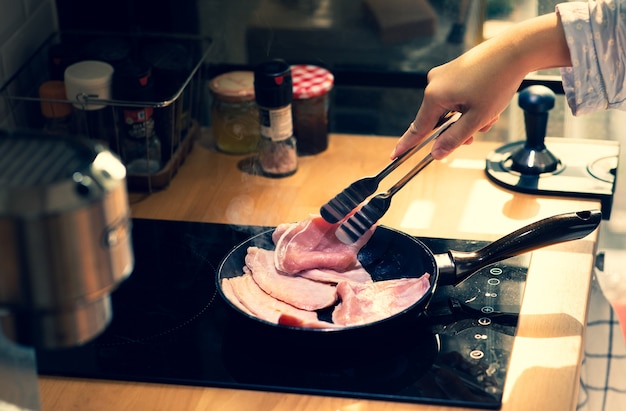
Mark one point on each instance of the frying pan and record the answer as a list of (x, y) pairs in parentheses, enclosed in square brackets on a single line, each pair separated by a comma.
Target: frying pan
[(391, 254)]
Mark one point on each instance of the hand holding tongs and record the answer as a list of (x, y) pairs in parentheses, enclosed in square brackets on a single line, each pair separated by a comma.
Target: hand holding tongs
[(350, 198)]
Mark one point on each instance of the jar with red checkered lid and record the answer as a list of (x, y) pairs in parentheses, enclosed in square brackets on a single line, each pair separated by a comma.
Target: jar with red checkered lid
[(311, 88)]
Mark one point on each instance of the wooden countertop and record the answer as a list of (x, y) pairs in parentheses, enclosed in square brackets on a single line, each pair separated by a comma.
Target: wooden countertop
[(451, 198)]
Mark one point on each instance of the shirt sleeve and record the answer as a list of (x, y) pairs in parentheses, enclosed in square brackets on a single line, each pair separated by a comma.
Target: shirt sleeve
[(596, 36)]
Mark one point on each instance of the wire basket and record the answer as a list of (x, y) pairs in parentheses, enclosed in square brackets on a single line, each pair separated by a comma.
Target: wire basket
[(169, 115)]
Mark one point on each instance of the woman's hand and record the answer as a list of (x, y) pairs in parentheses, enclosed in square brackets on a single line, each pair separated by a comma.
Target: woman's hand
[(481, 83)]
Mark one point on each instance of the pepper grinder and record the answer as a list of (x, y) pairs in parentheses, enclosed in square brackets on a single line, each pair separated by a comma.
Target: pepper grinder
[(273, 89), (533, 157)]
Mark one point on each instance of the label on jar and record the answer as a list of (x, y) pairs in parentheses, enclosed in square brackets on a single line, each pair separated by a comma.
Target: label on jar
[(276, 124)]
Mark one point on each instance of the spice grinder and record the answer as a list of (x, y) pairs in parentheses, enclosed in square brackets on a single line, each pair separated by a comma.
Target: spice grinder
[(65, 235)]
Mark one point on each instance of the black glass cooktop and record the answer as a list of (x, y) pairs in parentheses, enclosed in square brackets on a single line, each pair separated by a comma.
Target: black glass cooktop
[(171, 326)]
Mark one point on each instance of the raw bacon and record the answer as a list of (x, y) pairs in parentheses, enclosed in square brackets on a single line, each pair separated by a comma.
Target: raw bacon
[(296, 291), (311, 243), (255, 301), (229, 292), (309, 270), (357, 274), (366, 303)]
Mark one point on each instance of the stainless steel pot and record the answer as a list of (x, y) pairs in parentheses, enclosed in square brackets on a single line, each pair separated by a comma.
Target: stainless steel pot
[(65, 235)]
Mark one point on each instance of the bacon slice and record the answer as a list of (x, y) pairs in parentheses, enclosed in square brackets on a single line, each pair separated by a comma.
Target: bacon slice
[(246, 293), (366, 303), (296, 291), (311, 243), (229, 292), (311, 269), (358, 274)]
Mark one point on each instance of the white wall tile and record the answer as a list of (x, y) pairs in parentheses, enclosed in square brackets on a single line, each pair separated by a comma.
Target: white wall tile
[(12, 17), (19, 47), (24, 26)]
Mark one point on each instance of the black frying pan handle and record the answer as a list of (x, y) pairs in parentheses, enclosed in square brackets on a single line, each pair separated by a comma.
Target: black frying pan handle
[(551, 230)]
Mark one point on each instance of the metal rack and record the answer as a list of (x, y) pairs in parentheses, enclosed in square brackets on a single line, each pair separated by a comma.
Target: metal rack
[(176, 111)]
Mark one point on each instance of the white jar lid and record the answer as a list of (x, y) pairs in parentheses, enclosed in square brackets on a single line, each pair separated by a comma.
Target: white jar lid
[(86, 80), (89, 73), (234, 86)]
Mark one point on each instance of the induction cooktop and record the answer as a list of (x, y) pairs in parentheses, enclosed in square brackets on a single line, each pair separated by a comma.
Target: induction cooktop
[(171, 326)]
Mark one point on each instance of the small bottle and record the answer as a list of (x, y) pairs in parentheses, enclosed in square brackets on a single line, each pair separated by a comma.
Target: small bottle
[(273, 90), (172, 62), (56, 112), (234, 113), (140, 147)]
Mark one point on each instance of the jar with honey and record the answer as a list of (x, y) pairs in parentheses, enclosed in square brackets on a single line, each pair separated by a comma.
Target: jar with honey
[(234, 112)]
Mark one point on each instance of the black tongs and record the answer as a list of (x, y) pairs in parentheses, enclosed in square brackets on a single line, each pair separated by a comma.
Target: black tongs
[(350, 198)]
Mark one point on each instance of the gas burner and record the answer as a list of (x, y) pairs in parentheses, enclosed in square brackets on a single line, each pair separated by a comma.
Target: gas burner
[(604, 169), (554, 166), (518, 154)]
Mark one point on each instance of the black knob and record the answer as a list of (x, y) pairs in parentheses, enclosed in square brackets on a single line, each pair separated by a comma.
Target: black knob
[(536, 99), (534, 158)]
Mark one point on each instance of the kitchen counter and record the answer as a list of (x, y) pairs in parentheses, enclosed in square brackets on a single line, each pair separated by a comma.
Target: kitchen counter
[(451, 198)]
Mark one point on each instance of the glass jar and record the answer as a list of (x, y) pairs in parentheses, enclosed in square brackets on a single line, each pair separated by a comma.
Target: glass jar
[(311, 88), (234, 112), (87, 86), (142, 154), (57, 113)]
